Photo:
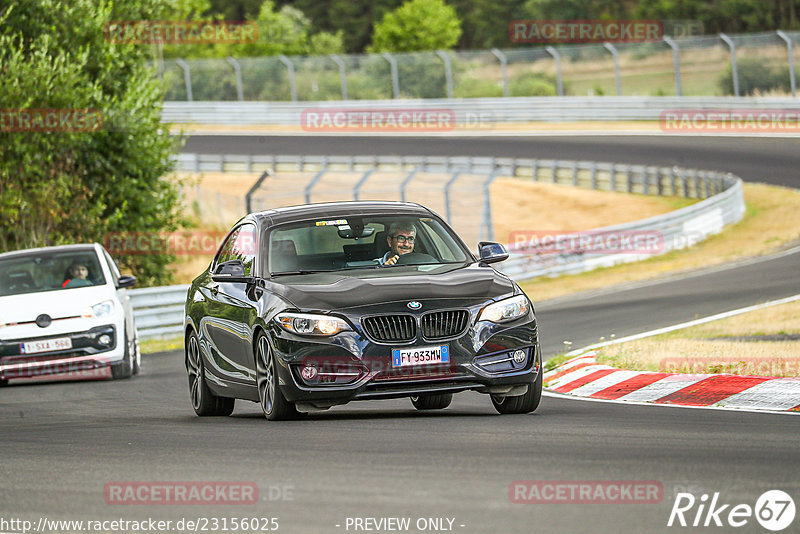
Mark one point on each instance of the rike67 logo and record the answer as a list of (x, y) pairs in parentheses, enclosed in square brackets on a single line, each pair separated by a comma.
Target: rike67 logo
[(774, 510)]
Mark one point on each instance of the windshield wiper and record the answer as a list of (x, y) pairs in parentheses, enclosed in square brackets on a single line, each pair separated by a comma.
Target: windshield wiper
[(288, 273)]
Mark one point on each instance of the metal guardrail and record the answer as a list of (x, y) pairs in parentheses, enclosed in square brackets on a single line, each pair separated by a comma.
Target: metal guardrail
[(159, 311), (469, 113)]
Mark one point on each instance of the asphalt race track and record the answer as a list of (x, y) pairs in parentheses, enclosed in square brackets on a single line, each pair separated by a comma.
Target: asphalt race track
[(63, 442)]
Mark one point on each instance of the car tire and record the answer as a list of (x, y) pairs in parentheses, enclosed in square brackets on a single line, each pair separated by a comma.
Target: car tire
[(273, 403), (137, 358), (204, 402), (526, 403), (124, 369), (432, 402)]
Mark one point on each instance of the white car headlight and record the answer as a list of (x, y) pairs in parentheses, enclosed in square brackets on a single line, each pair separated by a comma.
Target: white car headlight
[(307, 324), (506, 310), (103, 308)]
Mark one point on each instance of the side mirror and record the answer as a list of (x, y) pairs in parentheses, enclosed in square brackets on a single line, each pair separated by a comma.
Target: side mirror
[(491, 252), (126, 281), (230, 271)]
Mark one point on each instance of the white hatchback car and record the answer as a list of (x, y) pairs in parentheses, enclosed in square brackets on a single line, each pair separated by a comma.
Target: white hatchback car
[(65, 311)]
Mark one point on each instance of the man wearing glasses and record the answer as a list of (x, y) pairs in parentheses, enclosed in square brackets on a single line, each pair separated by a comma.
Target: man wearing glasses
[(401, 241)]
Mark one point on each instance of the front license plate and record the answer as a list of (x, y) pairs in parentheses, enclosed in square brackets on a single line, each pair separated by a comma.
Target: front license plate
[(46, 345), (420, 356)]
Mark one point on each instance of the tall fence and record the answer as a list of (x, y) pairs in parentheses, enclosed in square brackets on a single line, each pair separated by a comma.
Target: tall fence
[(714, 65)]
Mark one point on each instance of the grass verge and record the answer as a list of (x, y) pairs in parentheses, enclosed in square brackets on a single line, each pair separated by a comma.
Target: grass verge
[(149, 346), (772, 221), (764, 342)]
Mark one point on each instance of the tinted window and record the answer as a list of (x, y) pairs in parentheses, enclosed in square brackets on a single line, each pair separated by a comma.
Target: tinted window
[(50, 271), (240, 245)]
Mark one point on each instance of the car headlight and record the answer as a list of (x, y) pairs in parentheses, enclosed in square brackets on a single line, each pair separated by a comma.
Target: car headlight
[(307, 324), (104, 308), (506, 310)]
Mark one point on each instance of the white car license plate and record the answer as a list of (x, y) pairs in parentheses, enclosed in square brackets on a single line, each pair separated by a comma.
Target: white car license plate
[(420, 356), (46, 345)]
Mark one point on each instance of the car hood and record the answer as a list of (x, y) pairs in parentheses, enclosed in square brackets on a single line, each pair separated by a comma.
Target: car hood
[(363, 287), (57, 304)]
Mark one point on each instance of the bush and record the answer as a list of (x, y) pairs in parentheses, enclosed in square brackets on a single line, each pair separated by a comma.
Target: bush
[(533, 84), (755, 76)]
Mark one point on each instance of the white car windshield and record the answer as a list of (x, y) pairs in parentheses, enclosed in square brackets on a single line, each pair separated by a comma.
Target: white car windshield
[(49, 271), (360, 242)]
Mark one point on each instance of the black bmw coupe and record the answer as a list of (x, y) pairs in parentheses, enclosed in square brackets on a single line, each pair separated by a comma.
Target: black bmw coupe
[(307, 307)]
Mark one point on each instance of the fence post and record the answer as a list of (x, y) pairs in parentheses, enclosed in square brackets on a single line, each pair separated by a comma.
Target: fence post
[(575, 173), (249, 196), (395, 79), (448, 71), (447, 187), (676, 62), (503, 68), (342, 74), (611, 48), (594, 175), (487, 205), (672, 187), (788, 41), (187, 78), (535, 170), (696, 179), (557, 57), (362, 181), (630, 178), (315, 179), (405, 183), (237, 70), (684, 183), (290, 70), (555, 171), (728, 41)]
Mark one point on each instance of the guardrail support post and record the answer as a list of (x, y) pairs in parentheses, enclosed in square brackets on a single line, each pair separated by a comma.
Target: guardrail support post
[(447, 187), (612, 181), (187, 78), (315, 179), (630, 179), (535, 170), (611, 48), (594, 175), (728, 41), (361, 182), (487, 205), (575, 173), (696, 180), (676, 62), (290, 70), (448, 71), (407, 181), (237, 71), (342, 74), (555, 171), (503, 68), (395, 79), (792, 80), (557, 57)]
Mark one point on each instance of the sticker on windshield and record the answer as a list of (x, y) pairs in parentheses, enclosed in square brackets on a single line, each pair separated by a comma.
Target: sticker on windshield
[(337, 222)]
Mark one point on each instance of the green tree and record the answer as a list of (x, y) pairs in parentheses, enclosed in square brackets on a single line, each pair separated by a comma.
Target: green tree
[(417, 25), (80, 186)]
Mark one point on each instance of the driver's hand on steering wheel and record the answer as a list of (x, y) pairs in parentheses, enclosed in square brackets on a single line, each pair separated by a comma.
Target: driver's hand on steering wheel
[(392, 260)]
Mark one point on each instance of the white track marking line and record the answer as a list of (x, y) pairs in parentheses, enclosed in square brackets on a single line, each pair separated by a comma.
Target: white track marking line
[(666, 386), (776, 394)]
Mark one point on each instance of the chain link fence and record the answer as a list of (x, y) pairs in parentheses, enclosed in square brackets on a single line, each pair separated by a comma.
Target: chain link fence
[(719, 65)]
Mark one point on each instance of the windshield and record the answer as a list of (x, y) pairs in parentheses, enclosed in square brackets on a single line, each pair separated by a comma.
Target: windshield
[(362, 242), (49, 271)]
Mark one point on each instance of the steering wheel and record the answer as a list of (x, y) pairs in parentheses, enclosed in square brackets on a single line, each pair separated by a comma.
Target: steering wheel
[(414, 258)]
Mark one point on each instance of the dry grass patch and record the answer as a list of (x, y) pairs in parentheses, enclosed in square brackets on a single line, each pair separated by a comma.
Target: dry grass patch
[(695, 349), (772, 220)]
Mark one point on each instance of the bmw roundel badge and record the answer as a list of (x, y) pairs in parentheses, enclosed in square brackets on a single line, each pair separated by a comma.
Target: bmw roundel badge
[(414, 305)]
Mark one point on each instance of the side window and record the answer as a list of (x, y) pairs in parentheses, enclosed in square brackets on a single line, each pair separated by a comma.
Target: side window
[(240, 245)]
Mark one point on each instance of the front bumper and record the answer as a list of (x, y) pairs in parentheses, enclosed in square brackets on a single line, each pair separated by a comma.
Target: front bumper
[(86, 354), (358, 368)]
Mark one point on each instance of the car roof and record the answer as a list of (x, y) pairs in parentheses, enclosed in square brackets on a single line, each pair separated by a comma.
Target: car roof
[(81, 247), (333, 210)]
